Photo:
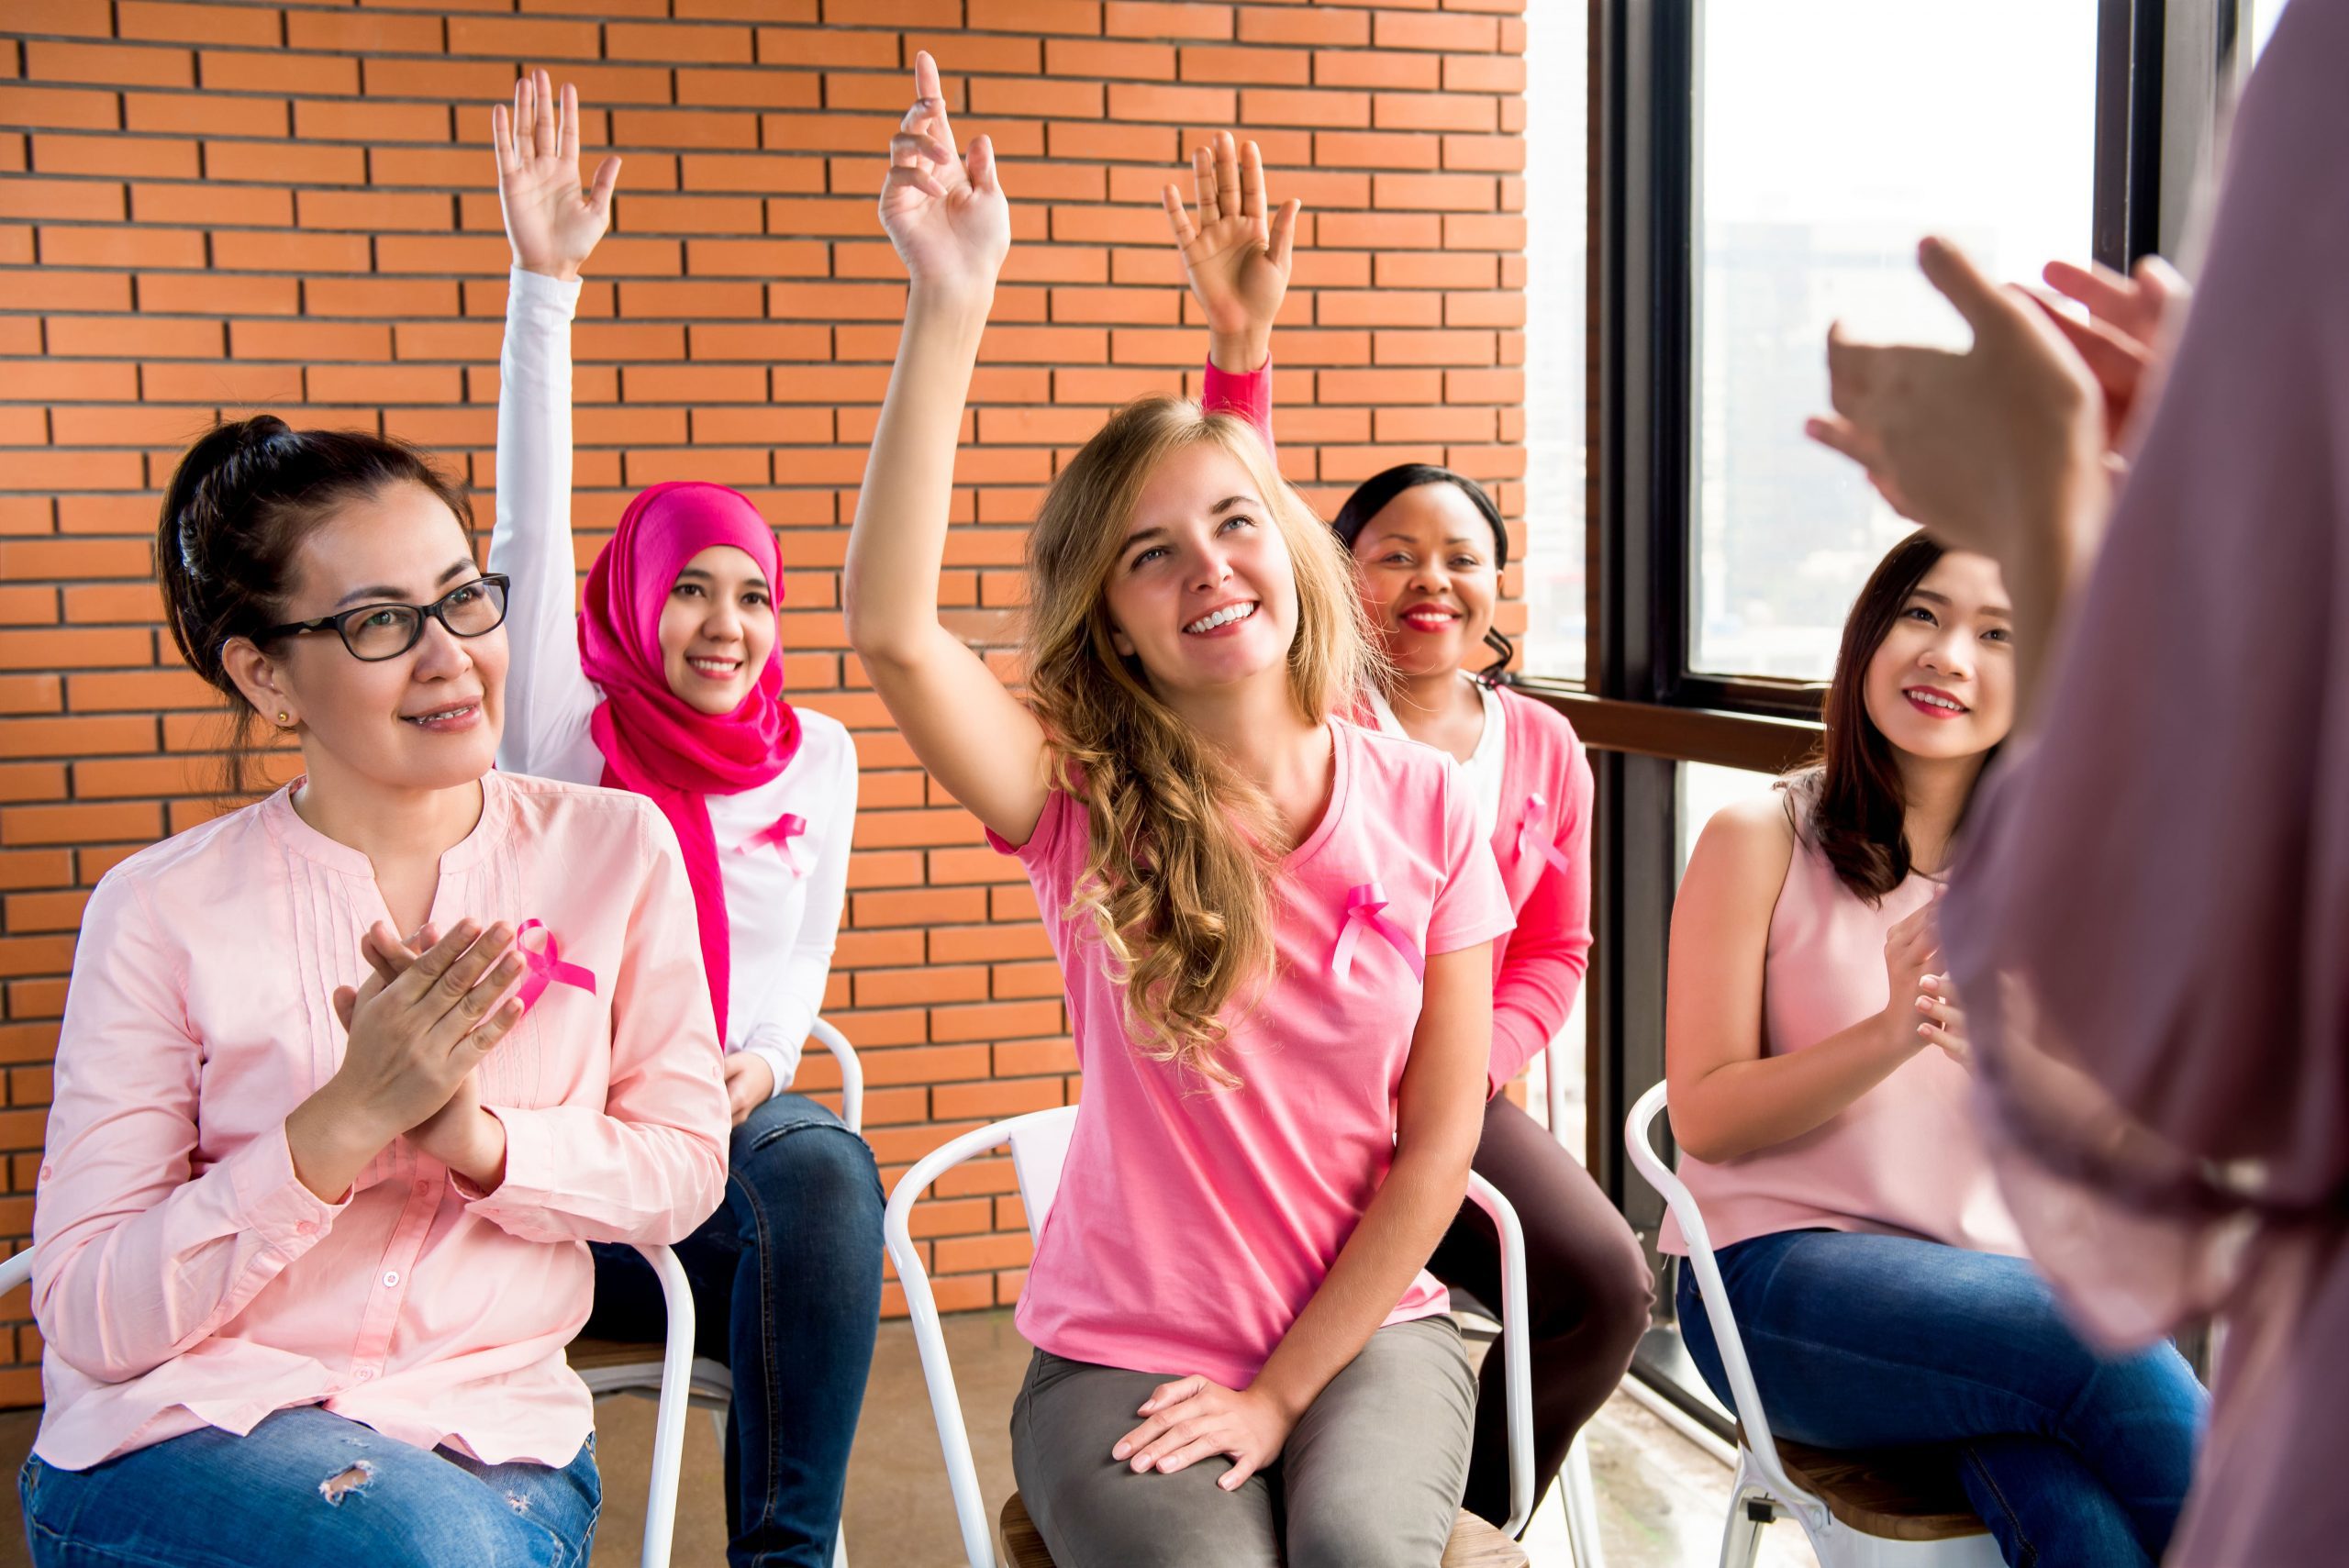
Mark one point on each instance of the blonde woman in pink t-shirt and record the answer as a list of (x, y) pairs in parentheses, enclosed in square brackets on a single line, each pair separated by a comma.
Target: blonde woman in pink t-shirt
[(1821, 1094), (1275, 932)]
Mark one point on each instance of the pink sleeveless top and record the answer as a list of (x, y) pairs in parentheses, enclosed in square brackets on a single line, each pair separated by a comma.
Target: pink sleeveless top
[(1904, 1159)]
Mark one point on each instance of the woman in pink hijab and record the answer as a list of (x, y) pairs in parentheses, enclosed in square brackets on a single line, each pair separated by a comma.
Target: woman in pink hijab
[(668, 681), (2151, 920)]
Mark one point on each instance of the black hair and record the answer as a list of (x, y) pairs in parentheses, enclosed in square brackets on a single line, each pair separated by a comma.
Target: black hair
[(240, 502), (1371, 497), (1849, 792)]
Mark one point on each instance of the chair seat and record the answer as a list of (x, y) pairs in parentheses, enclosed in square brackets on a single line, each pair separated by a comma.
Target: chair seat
[(1474, 1544), (627, 1366), (1890, 1494)]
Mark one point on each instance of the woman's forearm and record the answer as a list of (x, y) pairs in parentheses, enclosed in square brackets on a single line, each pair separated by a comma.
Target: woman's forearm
[(1741, 1107), (898, 545), (1409, 1214)]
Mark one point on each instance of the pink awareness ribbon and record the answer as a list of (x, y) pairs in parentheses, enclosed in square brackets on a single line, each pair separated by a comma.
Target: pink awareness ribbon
[(1534, 806), (1365, 907), (787, 827), (545, 966)]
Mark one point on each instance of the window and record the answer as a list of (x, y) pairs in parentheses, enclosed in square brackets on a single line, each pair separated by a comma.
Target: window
[(1704, 790), (1833, 134), (1556, 246)]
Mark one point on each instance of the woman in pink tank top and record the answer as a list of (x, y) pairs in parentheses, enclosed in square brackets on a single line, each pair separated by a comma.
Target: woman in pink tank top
[(1822, 1095)]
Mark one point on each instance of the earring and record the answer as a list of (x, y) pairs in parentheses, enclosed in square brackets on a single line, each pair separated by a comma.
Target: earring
[(284, 718)]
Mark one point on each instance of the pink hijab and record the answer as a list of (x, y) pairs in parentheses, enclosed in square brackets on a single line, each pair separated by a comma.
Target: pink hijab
[(654, 741)]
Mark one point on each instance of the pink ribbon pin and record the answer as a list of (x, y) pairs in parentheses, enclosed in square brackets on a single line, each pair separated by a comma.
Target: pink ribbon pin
[(545, 966), (786, 827), (1366, 905), (1534, 806)]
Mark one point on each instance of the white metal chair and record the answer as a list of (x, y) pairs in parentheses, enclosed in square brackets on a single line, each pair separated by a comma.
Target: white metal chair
[(1039, 1143), (678, 1378), (1859, 1510)]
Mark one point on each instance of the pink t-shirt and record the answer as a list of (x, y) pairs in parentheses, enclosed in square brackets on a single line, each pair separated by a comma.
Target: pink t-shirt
[(1193, 1224)]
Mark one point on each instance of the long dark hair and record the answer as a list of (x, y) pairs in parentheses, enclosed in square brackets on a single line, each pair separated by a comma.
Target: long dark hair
[(240, 502), (1370, 498), (1850, 795)]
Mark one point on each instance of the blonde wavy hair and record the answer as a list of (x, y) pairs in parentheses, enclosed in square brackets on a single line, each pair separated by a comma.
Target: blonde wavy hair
[(1182, 850)]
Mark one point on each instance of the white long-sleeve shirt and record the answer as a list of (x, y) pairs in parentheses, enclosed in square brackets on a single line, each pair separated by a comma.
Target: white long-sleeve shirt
[(784, 923)]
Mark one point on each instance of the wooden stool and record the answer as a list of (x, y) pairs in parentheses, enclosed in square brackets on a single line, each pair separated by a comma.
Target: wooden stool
[(1474, 1544), (1892, 1493)]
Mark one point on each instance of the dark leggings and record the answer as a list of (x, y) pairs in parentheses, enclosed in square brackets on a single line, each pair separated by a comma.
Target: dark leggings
[(1587, 1286)]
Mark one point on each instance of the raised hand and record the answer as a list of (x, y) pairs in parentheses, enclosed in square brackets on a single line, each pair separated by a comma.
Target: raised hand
[(1236, 258), (945, 213), (550, 221), (2122, 340), (1989, 448)]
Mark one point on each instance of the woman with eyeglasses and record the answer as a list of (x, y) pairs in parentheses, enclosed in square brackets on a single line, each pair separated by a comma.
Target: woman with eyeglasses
[(667, 680), (311, 1214)]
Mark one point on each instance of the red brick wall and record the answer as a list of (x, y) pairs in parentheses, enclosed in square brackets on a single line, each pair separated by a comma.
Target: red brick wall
[(210, 209)]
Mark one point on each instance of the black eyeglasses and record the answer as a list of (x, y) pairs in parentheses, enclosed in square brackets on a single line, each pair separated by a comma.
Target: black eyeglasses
[(375, 632)]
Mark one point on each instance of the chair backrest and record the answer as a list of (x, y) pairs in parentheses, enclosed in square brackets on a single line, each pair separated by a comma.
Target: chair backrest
[(1038, 1150), (1744, 1395), (16, 1271)]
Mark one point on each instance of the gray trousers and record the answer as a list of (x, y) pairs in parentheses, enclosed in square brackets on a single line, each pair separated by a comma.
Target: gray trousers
[(1371, 1478)]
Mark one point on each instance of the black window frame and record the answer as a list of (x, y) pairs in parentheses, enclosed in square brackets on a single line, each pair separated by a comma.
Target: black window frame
[(1641, 708)]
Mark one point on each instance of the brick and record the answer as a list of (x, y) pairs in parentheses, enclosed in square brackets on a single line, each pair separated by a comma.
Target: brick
[(364, 32), (378, 296), (84, 200), (59, 107), (438, 80), (1279, 105), (325, 119), (1092, 57), (756, 258), (204, 113), (54, 288), (1281, 67), (242, 250), (1447, 193), (764, 89), (36, 825), (1262, 24), (197, 204), (222, 293), (1434, 30), (532, 39), (1033, 15), (180, 23), (1143, 101), (1497, 74), (669, 42), (1149, 19), (684, 128), (1358, 67), (108, 65), (226, 71), (269, 162), (1434, 111), (127, 337)]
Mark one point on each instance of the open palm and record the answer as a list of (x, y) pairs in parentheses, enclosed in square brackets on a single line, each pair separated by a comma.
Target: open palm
[(552, 222), (1236, 257), (945, 213)]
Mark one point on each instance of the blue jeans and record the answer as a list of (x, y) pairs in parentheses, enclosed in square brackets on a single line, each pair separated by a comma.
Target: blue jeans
[(1863, 1341), (786, 1282), (308, 1486)]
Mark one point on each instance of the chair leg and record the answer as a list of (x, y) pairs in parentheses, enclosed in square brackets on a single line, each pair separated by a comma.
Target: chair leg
[(1582, 1505), (839, 1547), (1749, 1510)]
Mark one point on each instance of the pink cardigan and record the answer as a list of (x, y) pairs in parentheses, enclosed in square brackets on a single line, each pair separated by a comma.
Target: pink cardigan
[(1545, 801)]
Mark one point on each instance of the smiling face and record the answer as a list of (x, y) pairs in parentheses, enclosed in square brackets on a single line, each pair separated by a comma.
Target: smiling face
[(1203, 591), (1428, 575), (717, 629), (1941, 685), (428, 719)]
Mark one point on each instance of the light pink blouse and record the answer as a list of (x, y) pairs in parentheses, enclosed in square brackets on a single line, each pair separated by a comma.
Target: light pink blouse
[(184, 1278), (1905, 1157)]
